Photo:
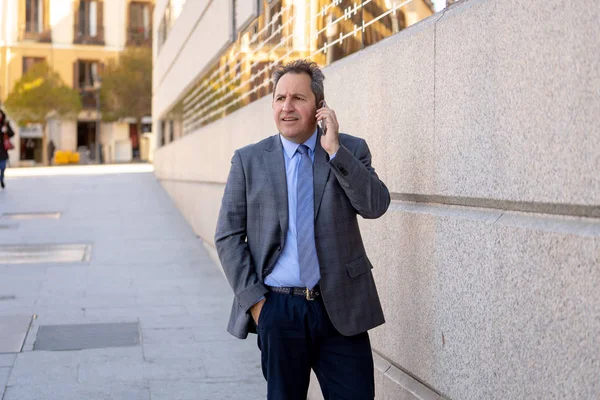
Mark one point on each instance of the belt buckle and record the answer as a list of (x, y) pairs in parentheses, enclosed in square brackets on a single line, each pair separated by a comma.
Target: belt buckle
[(309, 294)]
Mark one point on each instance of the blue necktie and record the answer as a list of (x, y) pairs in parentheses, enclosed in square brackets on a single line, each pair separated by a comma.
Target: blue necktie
[(305, 221)]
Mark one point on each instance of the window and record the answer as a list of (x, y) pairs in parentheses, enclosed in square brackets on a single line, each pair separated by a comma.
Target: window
[(140, 24), (172, 11), (36, 25), (88, 18), (85, 75), (34, 16), (165, 26), (88, 74), (29, 62), (163, 133), (88, 22)]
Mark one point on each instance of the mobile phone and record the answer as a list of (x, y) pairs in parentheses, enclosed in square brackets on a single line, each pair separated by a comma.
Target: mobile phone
[(322, 122)]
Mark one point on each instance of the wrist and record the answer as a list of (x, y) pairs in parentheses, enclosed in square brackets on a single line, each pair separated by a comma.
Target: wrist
[(333, 150)]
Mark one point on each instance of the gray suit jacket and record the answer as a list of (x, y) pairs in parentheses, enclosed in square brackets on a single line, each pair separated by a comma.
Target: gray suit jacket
[(253, 222)]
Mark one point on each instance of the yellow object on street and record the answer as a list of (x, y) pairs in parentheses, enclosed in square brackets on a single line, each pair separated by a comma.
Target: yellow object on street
[(63, 157), (74, 158)]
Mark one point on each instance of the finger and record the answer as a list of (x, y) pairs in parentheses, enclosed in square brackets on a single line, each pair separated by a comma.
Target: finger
[(323, 113), (330, 120)]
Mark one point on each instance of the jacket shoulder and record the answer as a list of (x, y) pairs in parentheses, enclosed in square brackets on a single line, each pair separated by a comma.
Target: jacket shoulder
[(257, 148)]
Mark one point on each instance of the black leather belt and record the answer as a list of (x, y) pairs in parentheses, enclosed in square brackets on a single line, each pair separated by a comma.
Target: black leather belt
[(308, 294)]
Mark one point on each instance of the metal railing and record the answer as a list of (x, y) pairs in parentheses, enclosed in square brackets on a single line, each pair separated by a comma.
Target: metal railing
[(139, 36), (27, 33), (88, 98), (83, 35)]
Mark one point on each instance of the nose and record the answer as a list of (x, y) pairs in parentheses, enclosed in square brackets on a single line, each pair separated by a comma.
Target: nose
[(287, 104)]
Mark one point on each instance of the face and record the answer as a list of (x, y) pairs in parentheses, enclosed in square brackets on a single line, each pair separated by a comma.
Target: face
[(294, 107)]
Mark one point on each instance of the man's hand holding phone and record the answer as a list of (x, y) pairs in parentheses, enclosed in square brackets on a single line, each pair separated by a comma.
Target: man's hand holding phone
[(330, 138)]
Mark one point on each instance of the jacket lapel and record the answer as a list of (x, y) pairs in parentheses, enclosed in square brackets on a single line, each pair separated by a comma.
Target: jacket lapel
[(275, 166), (320, 173)]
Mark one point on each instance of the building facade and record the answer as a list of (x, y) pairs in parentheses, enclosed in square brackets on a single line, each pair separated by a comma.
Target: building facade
[(76, 38), (248, 39)]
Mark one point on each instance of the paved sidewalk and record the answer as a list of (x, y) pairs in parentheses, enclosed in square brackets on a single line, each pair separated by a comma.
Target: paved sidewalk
[(146, 267)]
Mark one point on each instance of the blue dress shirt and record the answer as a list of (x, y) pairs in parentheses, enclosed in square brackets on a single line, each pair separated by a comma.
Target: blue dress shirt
[(287, 271)]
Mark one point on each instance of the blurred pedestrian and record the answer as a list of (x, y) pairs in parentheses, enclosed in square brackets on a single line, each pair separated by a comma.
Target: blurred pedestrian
[(51, 150), (7, 133)]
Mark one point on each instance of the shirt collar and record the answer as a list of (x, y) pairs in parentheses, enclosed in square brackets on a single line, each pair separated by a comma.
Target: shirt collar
[(290, 147)]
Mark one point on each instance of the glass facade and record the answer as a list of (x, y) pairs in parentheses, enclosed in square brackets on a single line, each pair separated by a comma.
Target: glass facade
[(320, 30)]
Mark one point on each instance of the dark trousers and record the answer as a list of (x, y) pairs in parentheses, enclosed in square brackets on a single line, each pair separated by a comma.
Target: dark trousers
[(295, 335), (2, 168)]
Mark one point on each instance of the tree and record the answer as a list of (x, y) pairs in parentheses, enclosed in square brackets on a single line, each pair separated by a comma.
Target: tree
[(126, 90), (39, 94)]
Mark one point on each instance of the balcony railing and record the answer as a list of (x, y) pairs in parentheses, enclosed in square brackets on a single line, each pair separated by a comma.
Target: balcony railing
[(83, 37), (139, 36), (88, 98), (44, 36)]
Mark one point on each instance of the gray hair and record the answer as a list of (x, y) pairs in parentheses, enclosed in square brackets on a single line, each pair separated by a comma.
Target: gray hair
[(307, 67)]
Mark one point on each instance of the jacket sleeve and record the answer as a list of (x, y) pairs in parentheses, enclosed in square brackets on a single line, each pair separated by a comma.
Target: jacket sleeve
[(230, 239), (368, 195)]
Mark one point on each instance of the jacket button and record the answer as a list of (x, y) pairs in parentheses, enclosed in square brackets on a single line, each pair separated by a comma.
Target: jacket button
[(279, 248)]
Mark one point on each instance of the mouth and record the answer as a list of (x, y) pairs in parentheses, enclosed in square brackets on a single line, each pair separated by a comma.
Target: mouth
[(289, 119)]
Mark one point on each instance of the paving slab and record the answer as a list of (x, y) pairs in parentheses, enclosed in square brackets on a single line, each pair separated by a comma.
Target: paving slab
[(207, 390), (7, 360), (74, 391), (140, 371), (13, 330), (45, 367), (4, 374)]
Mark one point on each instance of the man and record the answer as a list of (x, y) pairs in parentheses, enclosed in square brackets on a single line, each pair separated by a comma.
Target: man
[(289, 242)]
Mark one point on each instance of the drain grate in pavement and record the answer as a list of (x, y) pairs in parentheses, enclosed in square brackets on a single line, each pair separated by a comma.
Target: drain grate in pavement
[(9, 226), (87, 336), (44, 253), (13, 331), (32, 215)]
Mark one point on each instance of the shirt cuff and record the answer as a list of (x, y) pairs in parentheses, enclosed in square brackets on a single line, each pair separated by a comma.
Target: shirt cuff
[(333, 156)]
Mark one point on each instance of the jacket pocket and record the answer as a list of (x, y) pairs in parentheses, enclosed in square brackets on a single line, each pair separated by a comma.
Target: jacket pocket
[(358, 267)]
